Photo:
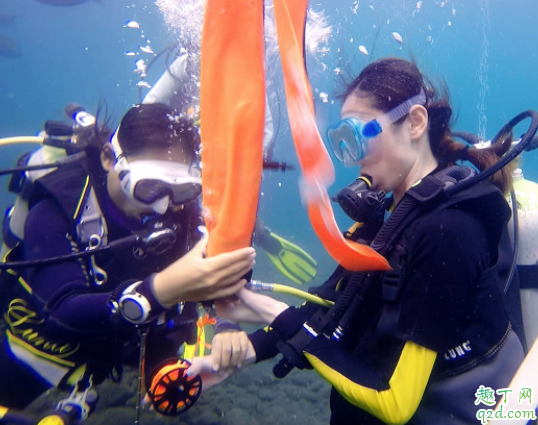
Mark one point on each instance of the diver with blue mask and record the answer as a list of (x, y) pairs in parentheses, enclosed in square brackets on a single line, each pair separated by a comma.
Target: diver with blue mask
[(350, 138), (67, 322), (349, 141), (412, 344)]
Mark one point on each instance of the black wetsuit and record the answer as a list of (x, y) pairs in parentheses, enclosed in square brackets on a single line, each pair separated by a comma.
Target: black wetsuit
[(58, 318), (450, 302)]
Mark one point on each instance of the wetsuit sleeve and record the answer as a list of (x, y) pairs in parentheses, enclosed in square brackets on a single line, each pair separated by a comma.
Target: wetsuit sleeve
[(264, 341), (397, 402), (62, 289), (392, 399)]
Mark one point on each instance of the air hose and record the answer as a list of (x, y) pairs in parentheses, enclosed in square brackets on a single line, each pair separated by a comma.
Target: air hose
[(258, 286)]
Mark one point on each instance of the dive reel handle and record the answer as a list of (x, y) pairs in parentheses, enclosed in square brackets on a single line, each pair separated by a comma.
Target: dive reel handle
[(292, 352), (291, 358), (282, 368)]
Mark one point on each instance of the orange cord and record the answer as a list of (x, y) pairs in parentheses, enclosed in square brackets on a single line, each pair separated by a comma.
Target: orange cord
[(202, 321)]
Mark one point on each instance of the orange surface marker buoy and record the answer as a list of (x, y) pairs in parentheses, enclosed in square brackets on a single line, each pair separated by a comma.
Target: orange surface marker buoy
[(233, 109), (316, 165)]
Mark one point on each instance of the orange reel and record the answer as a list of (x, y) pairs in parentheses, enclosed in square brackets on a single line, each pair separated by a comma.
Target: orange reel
[(171, 391)]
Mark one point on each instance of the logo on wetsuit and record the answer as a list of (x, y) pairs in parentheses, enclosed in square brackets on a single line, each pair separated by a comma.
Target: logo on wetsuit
[(23, 325), (458, 351)]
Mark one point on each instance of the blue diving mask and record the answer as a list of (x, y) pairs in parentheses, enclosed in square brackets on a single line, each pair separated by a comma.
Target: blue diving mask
[(349, 138)]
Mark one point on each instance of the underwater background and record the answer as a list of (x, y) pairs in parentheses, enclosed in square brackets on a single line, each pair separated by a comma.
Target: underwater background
[(52, 55)]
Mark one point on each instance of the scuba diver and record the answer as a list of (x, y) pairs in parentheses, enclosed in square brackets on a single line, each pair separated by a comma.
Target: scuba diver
[(527, 254), (291, 260), (413, 344), (130, 201), (522, 229)]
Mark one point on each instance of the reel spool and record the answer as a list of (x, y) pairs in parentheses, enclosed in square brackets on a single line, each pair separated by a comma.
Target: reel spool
[(171, 391)]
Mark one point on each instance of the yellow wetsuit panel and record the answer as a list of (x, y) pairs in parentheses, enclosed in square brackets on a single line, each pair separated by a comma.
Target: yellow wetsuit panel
[(397, 404)]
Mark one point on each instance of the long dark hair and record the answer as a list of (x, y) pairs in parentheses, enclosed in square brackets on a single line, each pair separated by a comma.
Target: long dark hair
[(389, 82)]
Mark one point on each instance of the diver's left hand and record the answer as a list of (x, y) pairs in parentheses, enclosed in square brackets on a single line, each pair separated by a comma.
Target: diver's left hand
[(228, 351), (203, 366)]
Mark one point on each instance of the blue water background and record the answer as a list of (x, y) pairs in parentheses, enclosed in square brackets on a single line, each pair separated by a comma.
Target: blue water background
[(76, 54)]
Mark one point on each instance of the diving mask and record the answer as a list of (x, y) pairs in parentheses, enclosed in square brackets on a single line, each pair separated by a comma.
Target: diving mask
[(156, 183), (349, 138)]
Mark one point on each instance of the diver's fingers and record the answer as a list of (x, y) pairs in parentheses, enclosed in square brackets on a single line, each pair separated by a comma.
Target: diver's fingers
[(228, 352), (216, 353), (232, 353), (228, 277), (200, 365), (229, 262), (229, 290), (243, 349)]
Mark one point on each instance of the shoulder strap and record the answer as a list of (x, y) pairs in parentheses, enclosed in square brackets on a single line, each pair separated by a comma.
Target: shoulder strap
[(91, 227)]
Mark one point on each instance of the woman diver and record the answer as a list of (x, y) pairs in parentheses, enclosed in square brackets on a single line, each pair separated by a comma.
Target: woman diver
[(430, 333), (74, 318)]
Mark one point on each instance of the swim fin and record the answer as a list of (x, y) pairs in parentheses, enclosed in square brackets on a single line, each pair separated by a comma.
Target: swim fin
[(292, 261)]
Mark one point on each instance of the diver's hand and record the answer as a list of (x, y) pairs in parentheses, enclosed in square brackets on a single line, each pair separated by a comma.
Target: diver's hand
[(228, 351), (196, 278), (203, 366), (250, 307)]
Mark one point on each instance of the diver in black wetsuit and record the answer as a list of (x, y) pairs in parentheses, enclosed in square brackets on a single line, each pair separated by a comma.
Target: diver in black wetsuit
[(429, 333), (74, 318)]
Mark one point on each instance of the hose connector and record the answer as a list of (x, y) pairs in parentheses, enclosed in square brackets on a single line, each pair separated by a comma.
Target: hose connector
[(258, 286)]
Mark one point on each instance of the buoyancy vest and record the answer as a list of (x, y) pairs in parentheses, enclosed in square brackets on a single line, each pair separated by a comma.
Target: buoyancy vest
[(487, 306), (486, 337), (71, 188)]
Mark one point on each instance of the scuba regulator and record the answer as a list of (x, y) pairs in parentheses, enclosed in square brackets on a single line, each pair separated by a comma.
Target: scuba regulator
[(366, 207)]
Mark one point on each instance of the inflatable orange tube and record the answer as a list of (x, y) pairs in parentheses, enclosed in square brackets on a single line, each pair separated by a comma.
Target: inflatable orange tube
[(316, 165), (233, 109)]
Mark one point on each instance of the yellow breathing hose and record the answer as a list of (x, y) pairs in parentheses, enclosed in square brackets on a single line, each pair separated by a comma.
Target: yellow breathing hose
[(21, 140), (259, 286), (283, 289)]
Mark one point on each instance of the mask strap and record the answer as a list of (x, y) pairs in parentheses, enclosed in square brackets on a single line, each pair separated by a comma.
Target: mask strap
[(402, 109), (121, 162), (116, 148)]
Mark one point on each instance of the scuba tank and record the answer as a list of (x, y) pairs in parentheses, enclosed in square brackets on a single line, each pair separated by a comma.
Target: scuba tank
[(527, 250), (58, 141)]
